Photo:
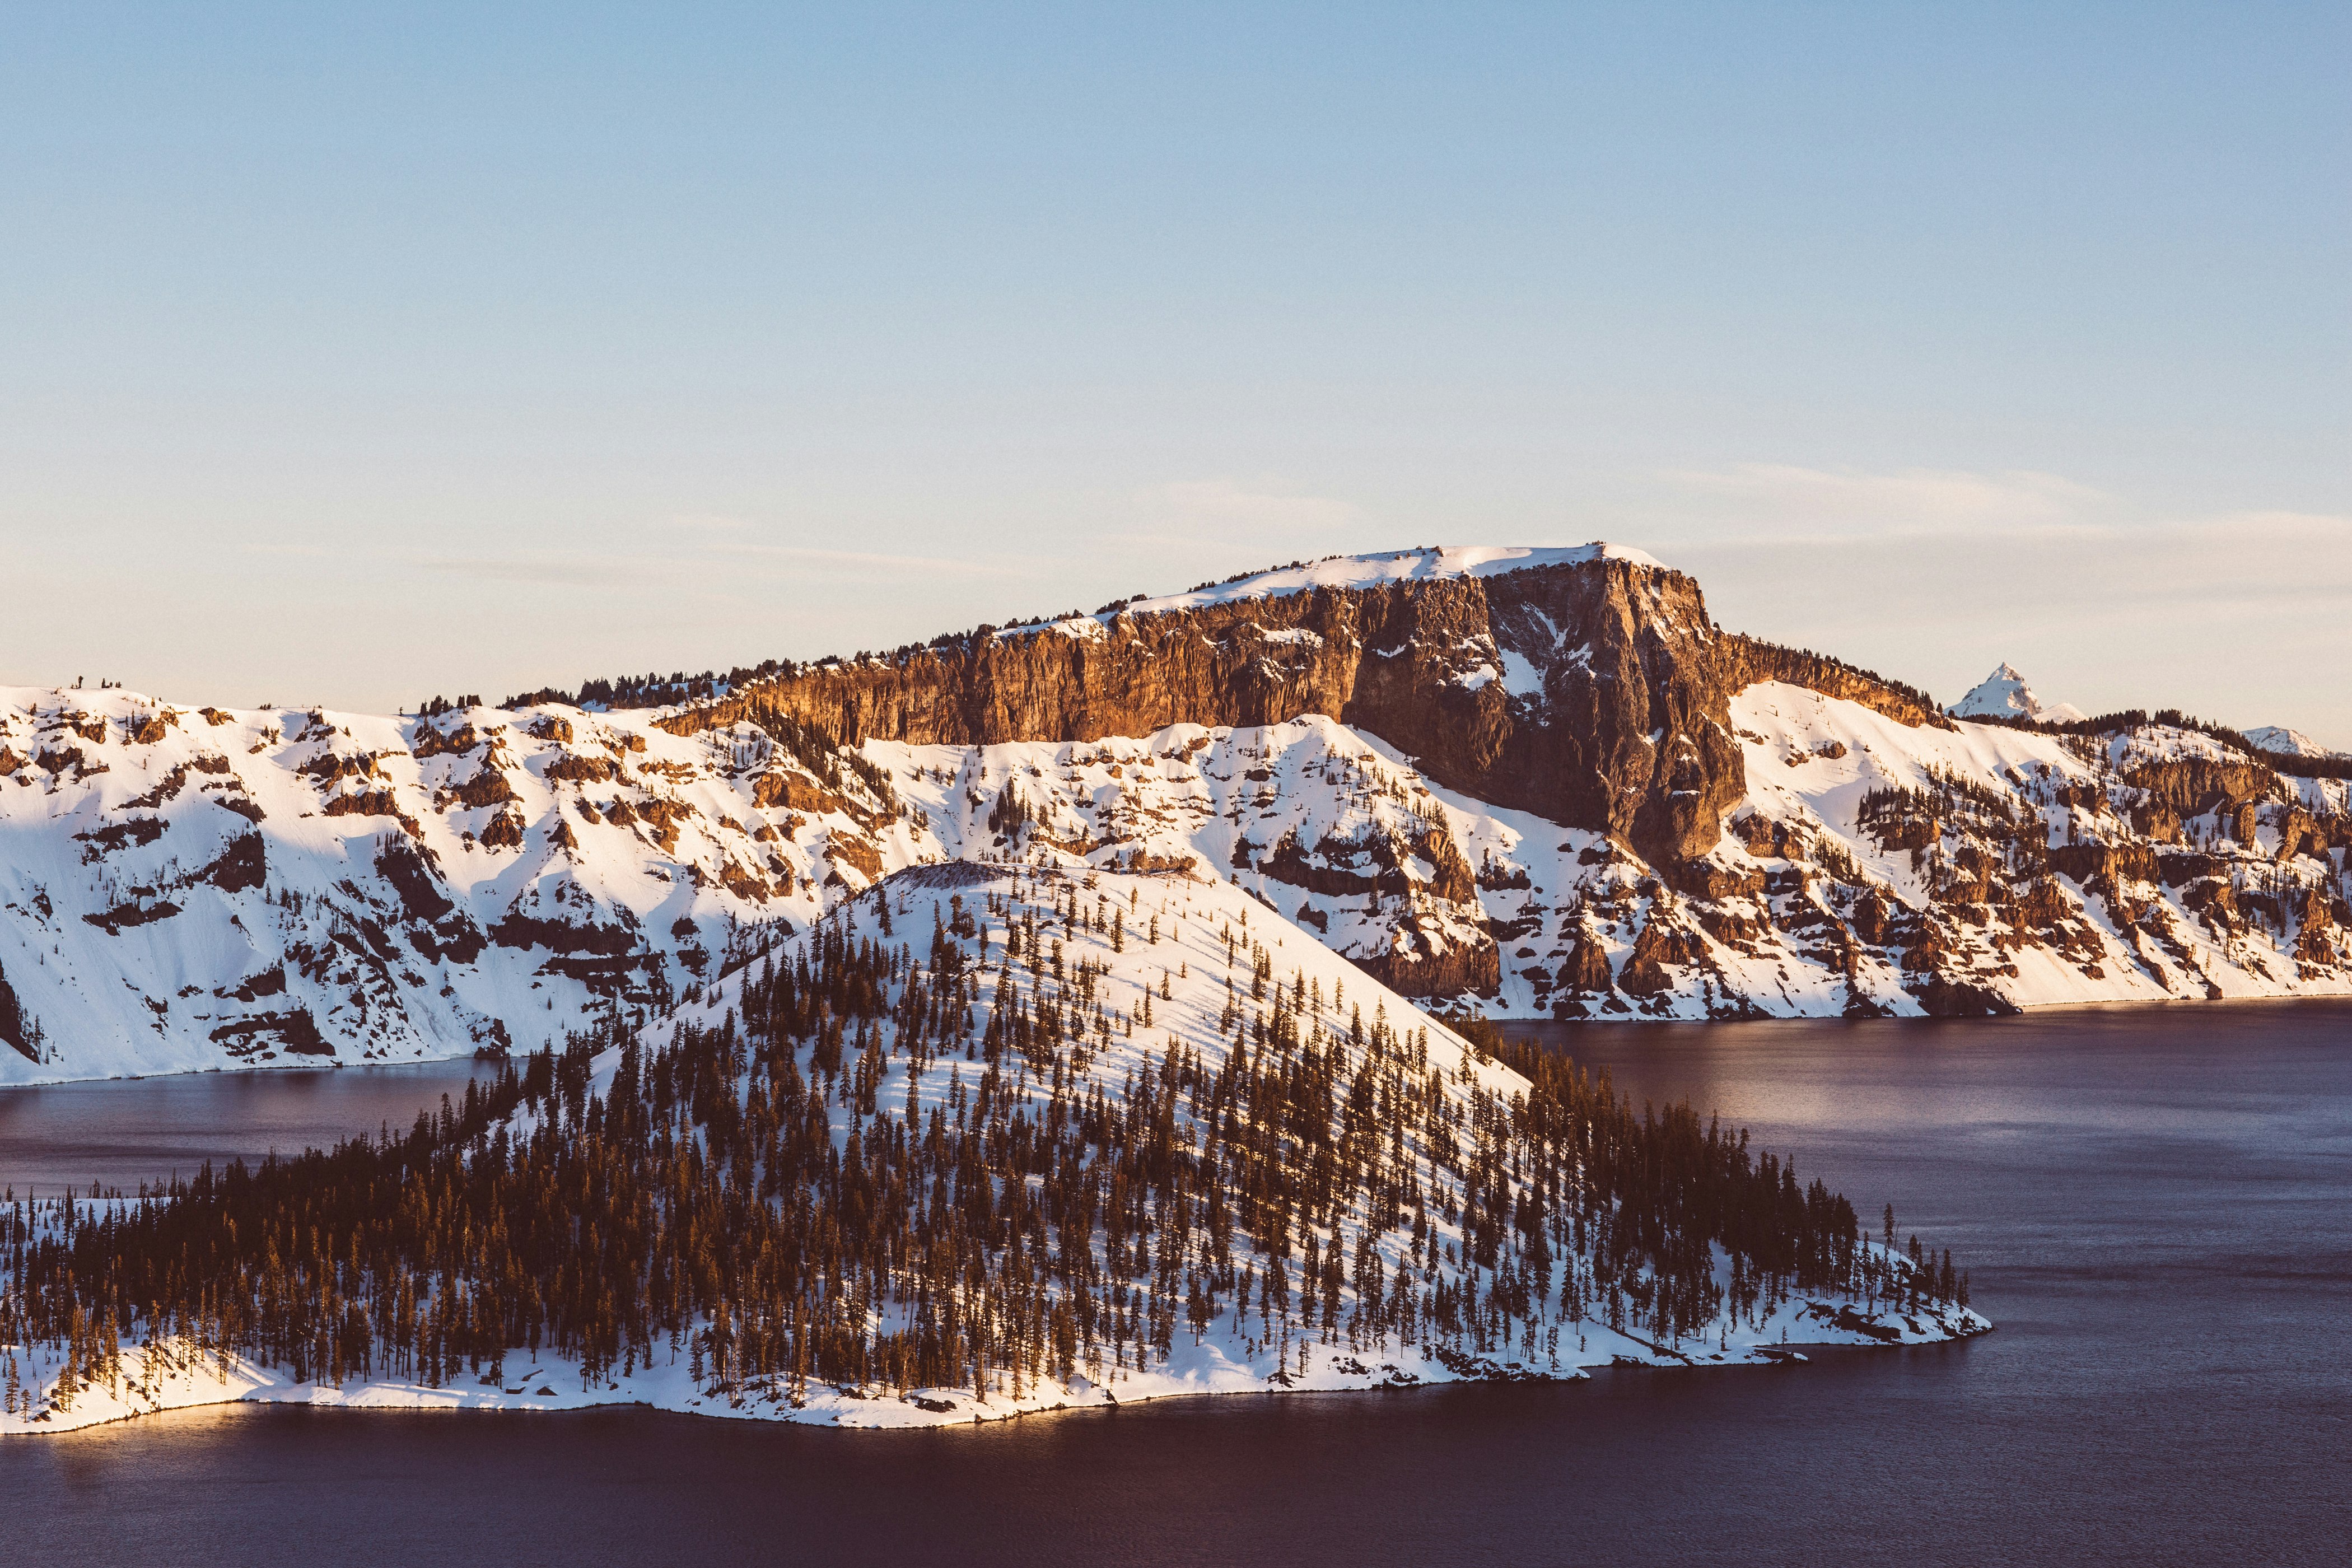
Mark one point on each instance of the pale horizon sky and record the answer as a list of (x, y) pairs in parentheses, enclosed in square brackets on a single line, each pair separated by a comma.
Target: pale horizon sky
[(357, 358)]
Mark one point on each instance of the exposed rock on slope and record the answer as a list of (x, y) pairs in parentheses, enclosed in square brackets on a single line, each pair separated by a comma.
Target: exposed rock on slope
[(187, 890), (1750, 661)]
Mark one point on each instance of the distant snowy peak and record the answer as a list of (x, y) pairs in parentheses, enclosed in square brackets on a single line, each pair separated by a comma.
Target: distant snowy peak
[(2288, 742), (2004, 694)]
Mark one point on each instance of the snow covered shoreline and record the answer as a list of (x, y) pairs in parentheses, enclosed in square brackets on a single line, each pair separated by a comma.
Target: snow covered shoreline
[(189, 1380)]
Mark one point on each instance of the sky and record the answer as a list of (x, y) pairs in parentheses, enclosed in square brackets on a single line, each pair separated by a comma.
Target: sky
[(355, 355)]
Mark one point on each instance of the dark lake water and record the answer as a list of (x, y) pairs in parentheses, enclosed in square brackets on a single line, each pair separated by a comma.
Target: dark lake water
[(119, 1134), (2155, 1206)]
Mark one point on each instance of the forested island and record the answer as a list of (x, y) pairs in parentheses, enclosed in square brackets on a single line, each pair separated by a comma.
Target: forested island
[(985, 1141)]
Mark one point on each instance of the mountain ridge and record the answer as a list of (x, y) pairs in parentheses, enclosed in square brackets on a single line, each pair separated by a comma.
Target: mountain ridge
[(1539, 785)]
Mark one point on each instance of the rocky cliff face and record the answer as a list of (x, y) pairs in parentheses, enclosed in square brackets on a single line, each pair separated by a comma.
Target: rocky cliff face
[(1591, 691)]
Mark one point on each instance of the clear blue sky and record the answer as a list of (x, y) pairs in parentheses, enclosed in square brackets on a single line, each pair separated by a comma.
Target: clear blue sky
[(359, 357)]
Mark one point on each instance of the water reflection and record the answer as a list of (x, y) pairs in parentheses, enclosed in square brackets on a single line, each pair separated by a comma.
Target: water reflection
[(2201, 1068)]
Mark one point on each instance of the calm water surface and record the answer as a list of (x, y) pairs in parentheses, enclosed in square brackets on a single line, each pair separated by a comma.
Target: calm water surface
[(119, 1134), (2155, 1206)]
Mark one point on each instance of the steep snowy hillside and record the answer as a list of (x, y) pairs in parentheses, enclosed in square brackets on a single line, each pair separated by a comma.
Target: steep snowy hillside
[(2004, 694), (1874, 867), (987, 1140), (1993, 868), (1331, 829), (191, 887)]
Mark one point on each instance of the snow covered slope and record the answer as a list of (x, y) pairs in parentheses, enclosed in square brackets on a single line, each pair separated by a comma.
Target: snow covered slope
[(290, 888), (1872, 867), (1987, 867), (2004, 694), (196, 887), (2288, 742)]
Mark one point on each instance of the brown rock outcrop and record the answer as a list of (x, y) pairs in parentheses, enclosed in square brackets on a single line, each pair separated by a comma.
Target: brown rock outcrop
[(577, 769), (1587, 969), (429, 742), (1871, 920), (666, 817), (488, 787), (2315, 929), (2040, 908), (1659, 945), (858, 853), (793, 792), (1706, 879), (2299, 834), (2189, 785), (1627, 730), (1427, 965), (2108, 864), (2153, 819)]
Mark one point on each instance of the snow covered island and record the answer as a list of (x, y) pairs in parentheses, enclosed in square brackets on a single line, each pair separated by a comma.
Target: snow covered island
[(986, 1140)]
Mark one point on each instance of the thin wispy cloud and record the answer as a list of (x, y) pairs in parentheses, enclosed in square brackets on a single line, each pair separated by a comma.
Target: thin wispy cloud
[(1794, 504), (1226, 505), (553, 571), (687, 564), (290, 551), (860, 561)]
